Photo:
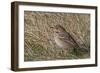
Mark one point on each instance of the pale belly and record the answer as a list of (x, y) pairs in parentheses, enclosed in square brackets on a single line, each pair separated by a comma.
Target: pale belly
[(61, 43), (58, 42)]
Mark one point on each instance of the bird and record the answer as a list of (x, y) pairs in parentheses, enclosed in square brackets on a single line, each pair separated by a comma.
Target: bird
[(64, 39)]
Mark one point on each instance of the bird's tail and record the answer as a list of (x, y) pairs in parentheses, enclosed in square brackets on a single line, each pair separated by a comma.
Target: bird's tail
[(81, 51), (84, 50)]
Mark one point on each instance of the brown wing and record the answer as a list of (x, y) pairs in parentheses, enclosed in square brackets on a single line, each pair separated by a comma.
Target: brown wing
[(67, 38)]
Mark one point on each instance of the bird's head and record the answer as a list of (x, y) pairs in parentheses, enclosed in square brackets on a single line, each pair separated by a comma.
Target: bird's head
[(59, 29)]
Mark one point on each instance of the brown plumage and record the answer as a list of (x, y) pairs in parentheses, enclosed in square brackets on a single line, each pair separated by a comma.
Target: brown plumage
[(63, 39)]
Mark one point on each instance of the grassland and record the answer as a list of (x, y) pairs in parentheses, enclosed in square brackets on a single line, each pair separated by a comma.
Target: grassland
[(39, 42)]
